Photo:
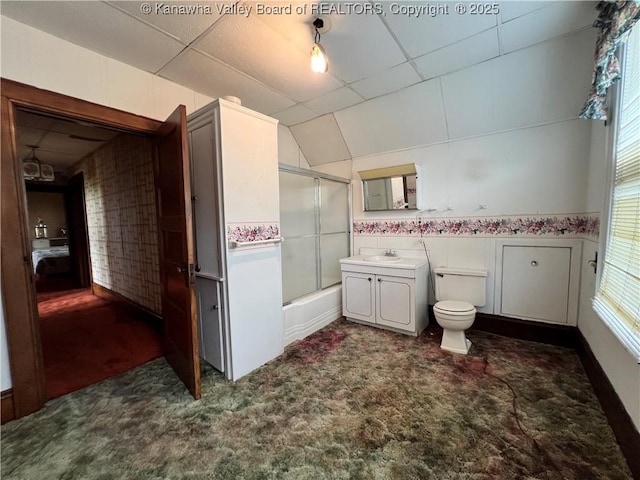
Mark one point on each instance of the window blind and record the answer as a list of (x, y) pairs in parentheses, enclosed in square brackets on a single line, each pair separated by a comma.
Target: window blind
[(619, 287)]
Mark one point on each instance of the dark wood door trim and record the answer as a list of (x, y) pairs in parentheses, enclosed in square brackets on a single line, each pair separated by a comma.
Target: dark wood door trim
[(19, 299), (78, 235)]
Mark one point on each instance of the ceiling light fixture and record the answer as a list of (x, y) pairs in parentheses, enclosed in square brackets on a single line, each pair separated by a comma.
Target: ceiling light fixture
[(34, 169), (319, 61)]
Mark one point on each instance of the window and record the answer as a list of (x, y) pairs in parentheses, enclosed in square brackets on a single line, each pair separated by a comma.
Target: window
[(618, 297)]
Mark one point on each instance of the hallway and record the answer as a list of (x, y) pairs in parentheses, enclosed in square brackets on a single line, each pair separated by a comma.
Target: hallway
[(86, 339)]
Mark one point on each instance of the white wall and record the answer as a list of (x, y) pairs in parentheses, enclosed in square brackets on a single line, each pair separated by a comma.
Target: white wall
[(288, 149), (620, 366), (36, 58), (500, 140), (44, 61)]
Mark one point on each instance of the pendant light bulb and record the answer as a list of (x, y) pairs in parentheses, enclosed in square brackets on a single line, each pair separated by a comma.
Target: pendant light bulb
[(319, 62)]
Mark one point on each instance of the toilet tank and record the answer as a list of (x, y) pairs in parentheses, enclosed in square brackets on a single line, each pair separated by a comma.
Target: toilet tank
[(461, 284)]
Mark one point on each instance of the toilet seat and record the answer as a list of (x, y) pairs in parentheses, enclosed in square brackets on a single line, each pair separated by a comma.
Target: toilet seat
[(454, 307)]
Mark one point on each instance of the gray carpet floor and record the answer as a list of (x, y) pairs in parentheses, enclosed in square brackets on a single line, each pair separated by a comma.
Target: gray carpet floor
[(349, 402)]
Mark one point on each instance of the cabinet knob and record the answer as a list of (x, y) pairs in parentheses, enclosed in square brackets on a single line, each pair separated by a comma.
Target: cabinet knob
[(214, 307), (379, 279), (534, 263), (369, 278)]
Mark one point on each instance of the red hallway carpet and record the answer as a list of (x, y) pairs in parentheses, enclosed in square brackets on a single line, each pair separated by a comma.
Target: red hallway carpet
[(86, 339)]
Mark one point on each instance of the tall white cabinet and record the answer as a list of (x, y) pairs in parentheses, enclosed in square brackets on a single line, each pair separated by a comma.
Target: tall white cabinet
[(234, 177)]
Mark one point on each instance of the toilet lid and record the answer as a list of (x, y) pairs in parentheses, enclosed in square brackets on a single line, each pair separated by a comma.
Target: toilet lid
[(454, 306)]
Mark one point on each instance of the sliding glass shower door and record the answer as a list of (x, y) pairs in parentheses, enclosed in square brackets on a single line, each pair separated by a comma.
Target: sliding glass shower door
[(314, 221)]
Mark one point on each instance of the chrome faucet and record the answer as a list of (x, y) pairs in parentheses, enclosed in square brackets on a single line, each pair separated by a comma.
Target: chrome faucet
[(390, 253)]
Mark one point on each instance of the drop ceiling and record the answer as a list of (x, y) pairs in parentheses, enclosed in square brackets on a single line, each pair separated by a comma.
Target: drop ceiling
[(61, 142), (264, 59)]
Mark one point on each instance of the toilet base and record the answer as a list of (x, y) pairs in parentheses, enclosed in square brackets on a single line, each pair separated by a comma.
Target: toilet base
[(455, 341)]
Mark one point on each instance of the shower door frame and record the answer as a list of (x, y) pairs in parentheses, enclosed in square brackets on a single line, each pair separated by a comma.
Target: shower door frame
[(284, 167)]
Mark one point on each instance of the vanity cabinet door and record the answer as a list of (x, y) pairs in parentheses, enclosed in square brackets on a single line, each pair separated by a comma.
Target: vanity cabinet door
[(395, 302), (358, 300)]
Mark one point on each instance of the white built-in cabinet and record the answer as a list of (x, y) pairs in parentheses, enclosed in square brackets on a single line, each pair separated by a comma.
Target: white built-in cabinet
[(388, 297), (538, 281), (234, 181)]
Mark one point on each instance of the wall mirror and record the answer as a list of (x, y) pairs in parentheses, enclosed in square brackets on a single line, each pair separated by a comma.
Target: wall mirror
[(390, 188)]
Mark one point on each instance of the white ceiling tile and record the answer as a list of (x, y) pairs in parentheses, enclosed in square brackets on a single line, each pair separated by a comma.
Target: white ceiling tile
[(411, 117), (321, 141), (99, 27), (459, 55), (546, 23), (296, 114), (39, 122), (359, 46), (336, 100), (295, 28), (387, 81), (175, 24), (212, 78), (254, 48), (61, 142), (510, 9), (29, 136), (425, 34)]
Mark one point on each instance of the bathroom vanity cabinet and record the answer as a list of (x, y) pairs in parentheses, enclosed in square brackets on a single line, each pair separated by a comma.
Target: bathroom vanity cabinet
[(389, 293)]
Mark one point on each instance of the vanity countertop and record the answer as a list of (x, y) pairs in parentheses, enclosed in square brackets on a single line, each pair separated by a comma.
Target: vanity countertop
[(401, 262)]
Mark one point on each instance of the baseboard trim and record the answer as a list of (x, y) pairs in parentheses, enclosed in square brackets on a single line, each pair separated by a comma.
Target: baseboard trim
[(136, 309), (303, 330), (7, 412), (560, 335), (621, 424)]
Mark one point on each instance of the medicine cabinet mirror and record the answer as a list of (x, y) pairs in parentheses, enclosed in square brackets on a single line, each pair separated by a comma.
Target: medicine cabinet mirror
[(390, 188)]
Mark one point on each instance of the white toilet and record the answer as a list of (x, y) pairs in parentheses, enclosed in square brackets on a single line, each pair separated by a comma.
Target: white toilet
[(457, 291)]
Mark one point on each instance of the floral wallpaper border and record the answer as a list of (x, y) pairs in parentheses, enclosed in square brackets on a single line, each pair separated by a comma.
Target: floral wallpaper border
[(252, 233), (543, 226)]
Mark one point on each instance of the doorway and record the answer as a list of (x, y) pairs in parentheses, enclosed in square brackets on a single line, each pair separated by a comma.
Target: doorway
[(107, 176), (20, 307)]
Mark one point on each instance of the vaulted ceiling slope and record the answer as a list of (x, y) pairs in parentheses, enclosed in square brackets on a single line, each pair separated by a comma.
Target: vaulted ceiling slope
[(260, 53)]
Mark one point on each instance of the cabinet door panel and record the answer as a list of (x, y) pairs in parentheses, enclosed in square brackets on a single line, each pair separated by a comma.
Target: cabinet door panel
[(535, 282), (210, 322), (358, 296), (394, 302)]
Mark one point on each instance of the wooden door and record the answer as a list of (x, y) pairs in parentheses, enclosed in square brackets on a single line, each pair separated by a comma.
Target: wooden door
[(78, 236), (175, 244)]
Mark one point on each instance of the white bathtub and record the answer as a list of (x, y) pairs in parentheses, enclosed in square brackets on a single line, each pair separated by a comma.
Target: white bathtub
[(310, 313)]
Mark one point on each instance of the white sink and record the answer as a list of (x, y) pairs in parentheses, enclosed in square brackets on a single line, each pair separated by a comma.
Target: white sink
[(381, 258)]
